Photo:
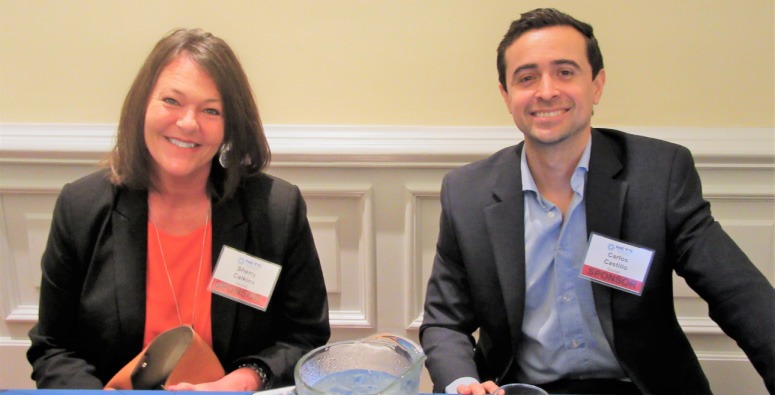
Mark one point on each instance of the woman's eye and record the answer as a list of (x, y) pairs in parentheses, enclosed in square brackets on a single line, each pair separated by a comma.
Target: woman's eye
[(212, 111), (169, 100)]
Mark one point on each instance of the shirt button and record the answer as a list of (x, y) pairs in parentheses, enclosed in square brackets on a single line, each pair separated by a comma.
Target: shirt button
[(551, 214), (574, 343), (566, 298)]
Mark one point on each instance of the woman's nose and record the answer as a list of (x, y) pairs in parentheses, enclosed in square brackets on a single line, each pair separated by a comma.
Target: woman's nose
[(188, 120)]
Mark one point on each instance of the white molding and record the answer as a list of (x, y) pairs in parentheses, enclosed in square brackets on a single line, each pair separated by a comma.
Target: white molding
[(333, 285), (699, 326), (365, 317), (12, 285), (721, 356), (23, 314), (350, 319), (412, 233), (738, 192), (30, 190), (381, 146), (10, 342)]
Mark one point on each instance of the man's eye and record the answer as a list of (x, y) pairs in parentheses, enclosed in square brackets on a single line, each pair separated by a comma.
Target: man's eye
[(526, 78), (212, 111), (566, 72)]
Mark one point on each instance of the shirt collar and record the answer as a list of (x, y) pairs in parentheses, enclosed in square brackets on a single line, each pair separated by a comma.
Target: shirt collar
[(577, 180)]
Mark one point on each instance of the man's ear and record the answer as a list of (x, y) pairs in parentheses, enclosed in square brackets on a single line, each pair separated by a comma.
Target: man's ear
[(599, 82), (505, 96)]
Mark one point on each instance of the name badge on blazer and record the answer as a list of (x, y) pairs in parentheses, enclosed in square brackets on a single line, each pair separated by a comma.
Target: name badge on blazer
[(244, 278), (616, 264)]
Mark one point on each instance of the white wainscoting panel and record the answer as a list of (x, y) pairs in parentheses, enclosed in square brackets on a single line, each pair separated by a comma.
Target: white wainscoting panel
[(28, 211), (423, 210), (343, 227)]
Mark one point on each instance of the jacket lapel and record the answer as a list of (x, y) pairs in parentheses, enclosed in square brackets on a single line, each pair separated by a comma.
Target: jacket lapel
[(505, 221), (130, 239), (229, 228), (604, 205)]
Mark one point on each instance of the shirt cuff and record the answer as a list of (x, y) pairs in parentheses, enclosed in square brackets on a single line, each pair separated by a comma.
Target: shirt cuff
[(452, 387)]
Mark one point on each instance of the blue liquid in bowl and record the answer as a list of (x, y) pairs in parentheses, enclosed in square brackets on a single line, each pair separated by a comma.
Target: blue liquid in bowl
[(354, 382)]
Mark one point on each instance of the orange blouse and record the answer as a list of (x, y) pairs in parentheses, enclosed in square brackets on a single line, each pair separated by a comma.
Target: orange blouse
[(182, 254)]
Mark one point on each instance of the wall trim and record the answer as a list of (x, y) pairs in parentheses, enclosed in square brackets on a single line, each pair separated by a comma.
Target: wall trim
[(381, 146), (23, 314), (738, 192), (364, 316), (414, 194), (722, 356), (699, 326)]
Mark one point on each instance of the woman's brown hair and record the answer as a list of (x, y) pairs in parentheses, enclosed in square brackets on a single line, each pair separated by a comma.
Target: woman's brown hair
[(248, 153)]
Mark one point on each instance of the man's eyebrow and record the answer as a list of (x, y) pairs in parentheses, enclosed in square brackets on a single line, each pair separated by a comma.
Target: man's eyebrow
[(525, 67), (566, 61)]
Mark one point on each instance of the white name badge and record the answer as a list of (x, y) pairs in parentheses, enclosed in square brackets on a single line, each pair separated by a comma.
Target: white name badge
[(244, 278), (616, 264)]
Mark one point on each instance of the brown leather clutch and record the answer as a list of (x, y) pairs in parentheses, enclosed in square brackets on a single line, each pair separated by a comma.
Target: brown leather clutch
[(175, 356)]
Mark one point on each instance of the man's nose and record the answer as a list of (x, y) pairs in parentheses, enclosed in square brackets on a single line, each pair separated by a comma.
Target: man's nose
[(547, 89)]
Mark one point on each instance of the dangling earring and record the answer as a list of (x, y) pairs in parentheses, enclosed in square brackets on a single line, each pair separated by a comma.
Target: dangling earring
[(223, 155)]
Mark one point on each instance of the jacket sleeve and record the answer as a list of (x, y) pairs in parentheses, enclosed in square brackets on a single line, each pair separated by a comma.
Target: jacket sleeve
[(54, 354), (448, 322), (300, 294), (740, 299)]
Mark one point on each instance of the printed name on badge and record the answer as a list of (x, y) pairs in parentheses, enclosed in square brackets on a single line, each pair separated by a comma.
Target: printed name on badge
[(244, 278), (616, 264)]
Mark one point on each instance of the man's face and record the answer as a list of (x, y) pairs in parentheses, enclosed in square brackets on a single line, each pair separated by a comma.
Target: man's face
[(550, 91)]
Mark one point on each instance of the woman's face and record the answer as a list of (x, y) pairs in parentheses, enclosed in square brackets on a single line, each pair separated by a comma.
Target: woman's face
[(183, 123)]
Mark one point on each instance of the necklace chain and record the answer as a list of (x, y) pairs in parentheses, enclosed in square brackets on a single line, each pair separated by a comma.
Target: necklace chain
[(166, 270)]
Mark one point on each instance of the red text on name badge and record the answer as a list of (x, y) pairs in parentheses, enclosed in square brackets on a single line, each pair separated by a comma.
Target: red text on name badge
[(612, 278), (239, 293)]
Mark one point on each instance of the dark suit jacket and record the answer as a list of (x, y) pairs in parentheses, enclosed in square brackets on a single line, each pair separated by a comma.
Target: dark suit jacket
[(92, 297), (642, 191)]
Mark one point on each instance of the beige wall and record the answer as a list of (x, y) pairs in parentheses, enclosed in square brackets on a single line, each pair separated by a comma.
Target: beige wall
[(696, 63)]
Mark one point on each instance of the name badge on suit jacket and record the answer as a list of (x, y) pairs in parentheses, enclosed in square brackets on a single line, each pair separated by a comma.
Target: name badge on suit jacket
[(616, 264), (244, 278)]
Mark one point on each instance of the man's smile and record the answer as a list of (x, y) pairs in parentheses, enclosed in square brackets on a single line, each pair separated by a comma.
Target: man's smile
[(546, 114)]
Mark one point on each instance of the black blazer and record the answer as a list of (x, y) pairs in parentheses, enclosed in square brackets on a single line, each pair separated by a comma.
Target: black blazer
[(642, 191), (92, 297)]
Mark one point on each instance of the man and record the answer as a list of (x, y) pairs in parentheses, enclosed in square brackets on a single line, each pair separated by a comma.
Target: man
[(517, 228)]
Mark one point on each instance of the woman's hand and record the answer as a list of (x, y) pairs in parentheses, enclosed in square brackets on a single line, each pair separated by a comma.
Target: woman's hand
[(243, 379)]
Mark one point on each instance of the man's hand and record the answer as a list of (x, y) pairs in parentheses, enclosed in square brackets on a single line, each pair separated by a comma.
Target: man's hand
[(243, 379), (488, 387)]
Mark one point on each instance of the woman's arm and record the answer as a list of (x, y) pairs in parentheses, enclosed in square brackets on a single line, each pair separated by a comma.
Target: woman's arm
[(54, 353)]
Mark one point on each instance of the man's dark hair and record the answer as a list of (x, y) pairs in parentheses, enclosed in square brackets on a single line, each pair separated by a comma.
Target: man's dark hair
[(546, 17)]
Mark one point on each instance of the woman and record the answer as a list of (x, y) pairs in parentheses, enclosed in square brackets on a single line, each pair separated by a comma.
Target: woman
[(132, 248)]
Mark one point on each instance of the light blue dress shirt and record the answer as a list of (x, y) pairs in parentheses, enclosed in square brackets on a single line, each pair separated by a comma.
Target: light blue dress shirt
[(562, 336)]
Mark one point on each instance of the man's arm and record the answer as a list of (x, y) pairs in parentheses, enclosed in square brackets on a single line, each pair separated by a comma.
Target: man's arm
[(449, 318), (740, 298)]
